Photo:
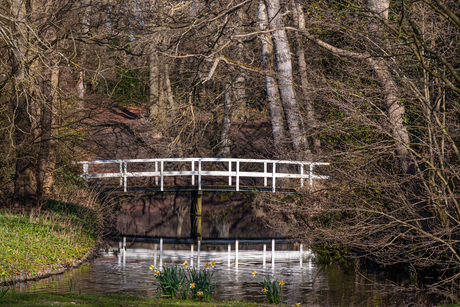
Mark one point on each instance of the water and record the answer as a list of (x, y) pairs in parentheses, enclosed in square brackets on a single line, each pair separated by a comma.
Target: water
[(305, 282)]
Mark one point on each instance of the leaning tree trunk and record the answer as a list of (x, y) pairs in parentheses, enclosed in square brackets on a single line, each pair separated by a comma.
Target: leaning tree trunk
[(283, 66), (395, 111), (273, 96)]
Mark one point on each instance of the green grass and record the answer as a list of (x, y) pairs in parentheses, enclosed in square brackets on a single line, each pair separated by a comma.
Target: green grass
[(31, 243), (73, 213), (51, 299)]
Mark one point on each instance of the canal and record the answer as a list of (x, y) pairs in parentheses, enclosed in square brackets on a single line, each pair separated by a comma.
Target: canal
[(306, 282)]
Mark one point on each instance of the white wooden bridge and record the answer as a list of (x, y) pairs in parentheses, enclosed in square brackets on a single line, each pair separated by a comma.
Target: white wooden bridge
[(198, 168), (233, 173)]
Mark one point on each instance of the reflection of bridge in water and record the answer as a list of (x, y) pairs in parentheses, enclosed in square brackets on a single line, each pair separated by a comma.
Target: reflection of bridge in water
[(203, 174), (209, 255)]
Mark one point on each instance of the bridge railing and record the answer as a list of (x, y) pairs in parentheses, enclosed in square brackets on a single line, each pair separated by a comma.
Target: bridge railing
[(196, 171)]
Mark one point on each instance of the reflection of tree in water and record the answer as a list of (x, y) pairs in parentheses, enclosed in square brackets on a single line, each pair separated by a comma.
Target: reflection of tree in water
[(181, 210), (167, 214), (220, 219), (144, 215)]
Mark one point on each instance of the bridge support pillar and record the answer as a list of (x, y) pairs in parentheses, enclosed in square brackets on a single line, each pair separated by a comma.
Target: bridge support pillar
[(195, 215)]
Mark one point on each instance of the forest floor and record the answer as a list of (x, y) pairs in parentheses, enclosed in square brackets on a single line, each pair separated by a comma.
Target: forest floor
[(116, 132)]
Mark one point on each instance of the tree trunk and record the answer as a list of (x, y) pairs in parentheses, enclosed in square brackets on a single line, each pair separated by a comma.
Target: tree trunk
[(85, 29), (81, 88), (25, 184), (284, 73), (380, 7), (273, 96), (239, 95), (154, 81), (239, 90), (47, 155), (299, 20), (226, 123), (395, 111), (168, 87)]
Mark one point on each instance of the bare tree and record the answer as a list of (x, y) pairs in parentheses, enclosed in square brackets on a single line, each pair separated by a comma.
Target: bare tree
[(274, 101), (25, 184), (283, 66), (311, 122)]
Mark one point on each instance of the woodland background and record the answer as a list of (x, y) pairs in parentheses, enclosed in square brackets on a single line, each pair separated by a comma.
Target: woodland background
[(370, 86)]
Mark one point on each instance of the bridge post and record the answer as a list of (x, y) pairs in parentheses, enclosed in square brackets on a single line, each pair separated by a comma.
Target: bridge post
[(195, 214)]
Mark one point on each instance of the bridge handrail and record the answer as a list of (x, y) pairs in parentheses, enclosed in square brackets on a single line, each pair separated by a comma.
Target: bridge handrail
[(124, 174), (201, 159)]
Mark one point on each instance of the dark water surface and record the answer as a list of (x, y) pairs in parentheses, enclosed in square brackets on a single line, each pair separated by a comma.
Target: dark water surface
[(305, 282)]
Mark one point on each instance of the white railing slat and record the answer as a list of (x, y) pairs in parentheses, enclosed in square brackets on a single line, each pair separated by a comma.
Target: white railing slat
[(162, 175), (199, 175), (237, 175)]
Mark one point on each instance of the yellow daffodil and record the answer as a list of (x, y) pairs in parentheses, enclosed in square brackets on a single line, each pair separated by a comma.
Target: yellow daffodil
[(192, 286), (265, 290), (152, 267), (207, 265), (254, 273), (281, 283), (185, 264), (200, 293), (193, 270), (157, 272), (213, 263), (297, 304)]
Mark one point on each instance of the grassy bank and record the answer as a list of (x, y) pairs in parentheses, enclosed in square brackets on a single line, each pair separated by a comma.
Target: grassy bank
[(33, 244), (48, 299)]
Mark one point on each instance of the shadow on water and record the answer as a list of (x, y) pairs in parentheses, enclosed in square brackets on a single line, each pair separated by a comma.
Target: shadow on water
[(305, 282)]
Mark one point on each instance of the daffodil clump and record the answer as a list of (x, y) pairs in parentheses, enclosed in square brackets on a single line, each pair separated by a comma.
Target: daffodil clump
[(273, 290), (185, 281), (169, 281), (203, 287)]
